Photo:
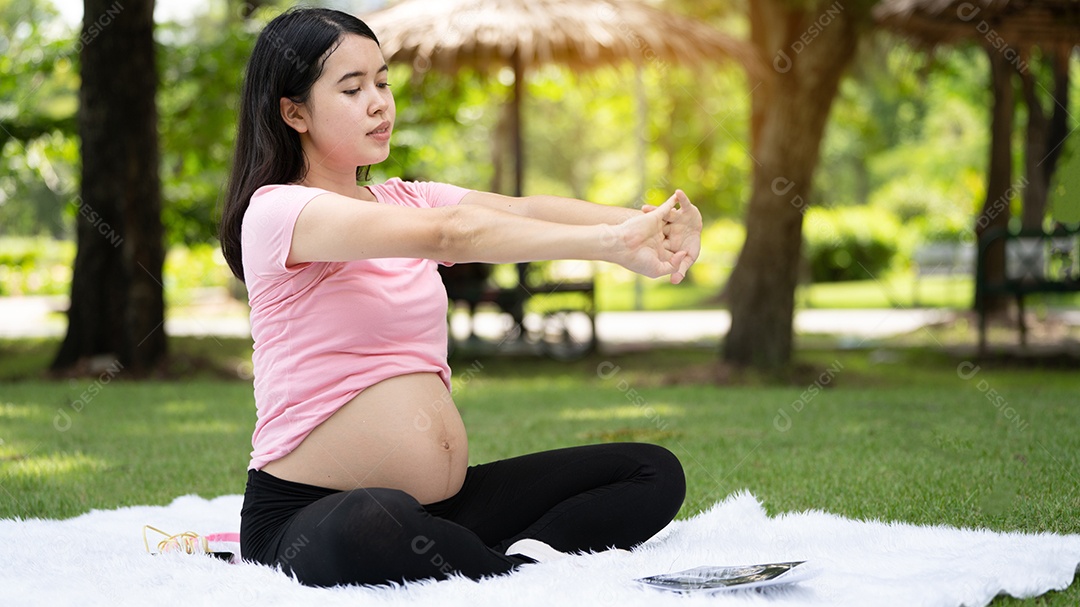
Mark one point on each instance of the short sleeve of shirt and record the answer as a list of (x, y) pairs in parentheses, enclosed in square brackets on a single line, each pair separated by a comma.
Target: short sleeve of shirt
[(266, 233), (421, 193), (442, 194)]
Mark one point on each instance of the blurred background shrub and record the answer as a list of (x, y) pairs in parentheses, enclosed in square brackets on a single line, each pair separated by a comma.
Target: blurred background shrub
[(850, 243)]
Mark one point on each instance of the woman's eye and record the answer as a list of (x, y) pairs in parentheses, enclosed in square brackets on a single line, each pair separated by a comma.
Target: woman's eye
[(383, 85), (351, 92)]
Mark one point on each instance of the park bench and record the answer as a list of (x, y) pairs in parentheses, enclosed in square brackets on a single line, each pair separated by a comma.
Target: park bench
[(567, 332), (1035, 262), (941, 259)]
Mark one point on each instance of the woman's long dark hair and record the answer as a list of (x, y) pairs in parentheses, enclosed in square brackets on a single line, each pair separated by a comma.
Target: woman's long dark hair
[(287, 60)]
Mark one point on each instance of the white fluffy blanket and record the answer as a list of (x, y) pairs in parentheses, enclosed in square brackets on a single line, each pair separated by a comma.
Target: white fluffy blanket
[(98, 559)]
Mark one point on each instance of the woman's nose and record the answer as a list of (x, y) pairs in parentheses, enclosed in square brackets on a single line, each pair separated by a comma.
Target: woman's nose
[(378, 105)]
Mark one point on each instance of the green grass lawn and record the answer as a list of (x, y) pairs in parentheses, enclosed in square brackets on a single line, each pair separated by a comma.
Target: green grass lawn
[(907, 440), (897, 289)]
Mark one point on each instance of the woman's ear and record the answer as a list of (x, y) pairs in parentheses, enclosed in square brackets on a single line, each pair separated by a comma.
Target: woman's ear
[(294, 115)]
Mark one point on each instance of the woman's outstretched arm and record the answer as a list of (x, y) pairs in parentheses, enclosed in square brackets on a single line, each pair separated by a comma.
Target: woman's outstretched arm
[(684, 231), (555, 209), (337, 228)]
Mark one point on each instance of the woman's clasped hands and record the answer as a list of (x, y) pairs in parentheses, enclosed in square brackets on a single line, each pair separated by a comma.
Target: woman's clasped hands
[(663, 240)]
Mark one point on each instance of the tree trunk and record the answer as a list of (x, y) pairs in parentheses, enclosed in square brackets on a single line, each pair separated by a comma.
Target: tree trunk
[(810, 49), (1059, 121), (999, 187), (117, 302), (1055, 132), (1035, 146), (1045, 134)]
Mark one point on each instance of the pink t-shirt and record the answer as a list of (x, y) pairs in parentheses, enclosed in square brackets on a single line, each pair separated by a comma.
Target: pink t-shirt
[(324, 331)]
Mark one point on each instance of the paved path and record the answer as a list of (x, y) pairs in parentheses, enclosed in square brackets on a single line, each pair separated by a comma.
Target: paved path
[(38, 317)]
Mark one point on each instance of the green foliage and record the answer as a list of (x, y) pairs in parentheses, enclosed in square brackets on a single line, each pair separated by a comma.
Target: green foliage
[(926, 209), (444, 127), (201, 65), (197, 104), (582, 133), (1064, 198), (37, 74), (191, 269), (38, 185), (909, 132), (849, 243), (908, 136), (699, 129), (38, 95), (35, 266), (42, 266)]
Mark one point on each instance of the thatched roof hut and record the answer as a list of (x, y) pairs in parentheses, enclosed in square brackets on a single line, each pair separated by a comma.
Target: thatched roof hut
[(1018, 23), (581, 34)]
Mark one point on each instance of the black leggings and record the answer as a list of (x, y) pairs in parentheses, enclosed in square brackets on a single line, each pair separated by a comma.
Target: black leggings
[(577, 499)]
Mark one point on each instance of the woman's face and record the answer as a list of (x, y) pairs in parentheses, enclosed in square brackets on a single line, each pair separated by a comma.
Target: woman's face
[(349, 114)]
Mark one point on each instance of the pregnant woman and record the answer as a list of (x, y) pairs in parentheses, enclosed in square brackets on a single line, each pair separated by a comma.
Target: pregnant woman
[(359, 471)]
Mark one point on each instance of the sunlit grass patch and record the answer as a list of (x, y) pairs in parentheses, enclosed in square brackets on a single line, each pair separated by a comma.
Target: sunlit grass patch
[(52, 465), (643, 411)]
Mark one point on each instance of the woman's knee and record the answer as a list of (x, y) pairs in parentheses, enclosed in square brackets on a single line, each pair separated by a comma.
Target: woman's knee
[(343, 537), (350, 515), (664, 471), (654, 459)]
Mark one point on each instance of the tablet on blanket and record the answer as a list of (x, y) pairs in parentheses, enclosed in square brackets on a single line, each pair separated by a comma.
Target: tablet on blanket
[(711, 579)]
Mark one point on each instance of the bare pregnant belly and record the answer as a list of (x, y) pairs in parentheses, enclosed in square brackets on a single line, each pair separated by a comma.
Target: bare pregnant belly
[(403, 433)]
